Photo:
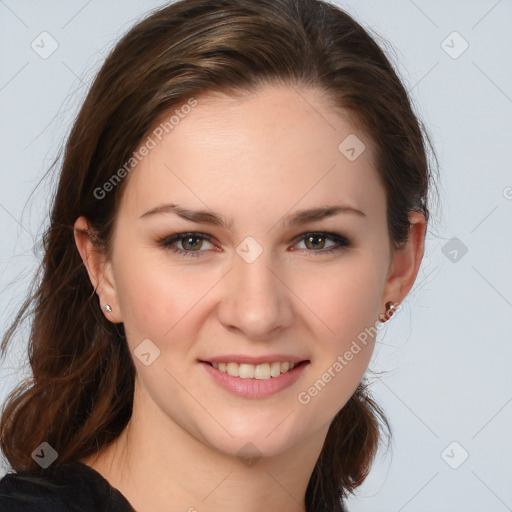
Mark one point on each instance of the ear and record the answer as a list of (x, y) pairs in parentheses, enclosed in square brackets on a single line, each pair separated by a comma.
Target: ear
[(98, 268), (405, 263)]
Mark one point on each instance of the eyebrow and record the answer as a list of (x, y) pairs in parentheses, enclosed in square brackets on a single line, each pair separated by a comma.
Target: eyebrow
[(293, 220)]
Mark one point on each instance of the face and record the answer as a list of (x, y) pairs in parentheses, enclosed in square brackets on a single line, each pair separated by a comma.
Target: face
[(260, 284)]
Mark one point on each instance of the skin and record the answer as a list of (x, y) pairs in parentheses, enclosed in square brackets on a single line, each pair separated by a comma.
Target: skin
[(254, 160)]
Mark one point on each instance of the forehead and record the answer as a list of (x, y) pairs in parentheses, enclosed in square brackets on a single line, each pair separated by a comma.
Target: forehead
[(266, 151)]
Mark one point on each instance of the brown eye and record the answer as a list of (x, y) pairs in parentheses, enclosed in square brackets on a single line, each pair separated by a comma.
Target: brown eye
[(316, 242), (312, 242), (189, 245), (192, 243)]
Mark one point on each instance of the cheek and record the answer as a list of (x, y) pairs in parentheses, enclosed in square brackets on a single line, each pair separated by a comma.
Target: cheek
[(344, 299), (152, 296), (161, 300), (346, 304), (343, 353)]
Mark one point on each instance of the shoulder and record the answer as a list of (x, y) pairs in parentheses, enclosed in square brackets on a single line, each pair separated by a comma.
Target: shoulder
[(69, 487), (30, 491)]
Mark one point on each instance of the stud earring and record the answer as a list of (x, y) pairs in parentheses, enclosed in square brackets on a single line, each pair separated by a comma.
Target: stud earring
[(390, 309), (108, 308)]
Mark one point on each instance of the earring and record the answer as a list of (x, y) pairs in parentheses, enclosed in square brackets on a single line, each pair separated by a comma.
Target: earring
[(108, 308), (390, 309)]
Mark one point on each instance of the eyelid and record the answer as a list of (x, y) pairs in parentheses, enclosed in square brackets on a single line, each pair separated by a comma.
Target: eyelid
[(167, 241), (341, 242)]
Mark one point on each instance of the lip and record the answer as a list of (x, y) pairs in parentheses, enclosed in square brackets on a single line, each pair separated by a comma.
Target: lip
[(255, 388), (270, 358)]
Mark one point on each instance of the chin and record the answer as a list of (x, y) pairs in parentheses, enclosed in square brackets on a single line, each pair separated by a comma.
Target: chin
[(257, 438)]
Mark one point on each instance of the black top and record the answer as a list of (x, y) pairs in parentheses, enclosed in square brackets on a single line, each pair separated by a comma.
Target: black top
[(70, 487)]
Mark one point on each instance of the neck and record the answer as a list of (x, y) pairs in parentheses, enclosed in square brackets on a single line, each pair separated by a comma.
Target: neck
[(157, 465)]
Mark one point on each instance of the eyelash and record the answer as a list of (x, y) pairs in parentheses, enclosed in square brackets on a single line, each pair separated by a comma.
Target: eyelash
[(341, 242)]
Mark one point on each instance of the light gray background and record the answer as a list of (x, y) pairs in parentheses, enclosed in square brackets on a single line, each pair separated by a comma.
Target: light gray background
[(447, 354)]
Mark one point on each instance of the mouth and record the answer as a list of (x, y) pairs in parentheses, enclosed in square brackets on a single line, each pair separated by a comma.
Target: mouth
[(263, 371), (255, 381)]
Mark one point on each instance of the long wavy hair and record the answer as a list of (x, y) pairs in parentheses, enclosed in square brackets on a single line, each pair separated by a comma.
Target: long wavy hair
[(79, 396)]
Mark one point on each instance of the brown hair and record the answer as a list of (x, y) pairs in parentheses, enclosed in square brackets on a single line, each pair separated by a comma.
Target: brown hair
[(80, 396)]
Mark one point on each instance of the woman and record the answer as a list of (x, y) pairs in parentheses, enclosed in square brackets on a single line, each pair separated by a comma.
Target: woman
[(242, 203)]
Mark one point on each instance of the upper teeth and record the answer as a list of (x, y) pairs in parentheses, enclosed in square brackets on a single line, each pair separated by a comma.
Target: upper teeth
[(251, 371)]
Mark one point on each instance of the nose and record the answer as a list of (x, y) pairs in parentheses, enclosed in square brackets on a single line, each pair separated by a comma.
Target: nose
[(256, 301)]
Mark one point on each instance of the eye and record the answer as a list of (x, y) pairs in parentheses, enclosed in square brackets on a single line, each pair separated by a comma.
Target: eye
[(315, 242), (190, 242), (193, 242)]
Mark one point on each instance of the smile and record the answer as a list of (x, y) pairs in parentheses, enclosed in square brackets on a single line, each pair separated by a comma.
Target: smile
[(262, 371), (255, 381)]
